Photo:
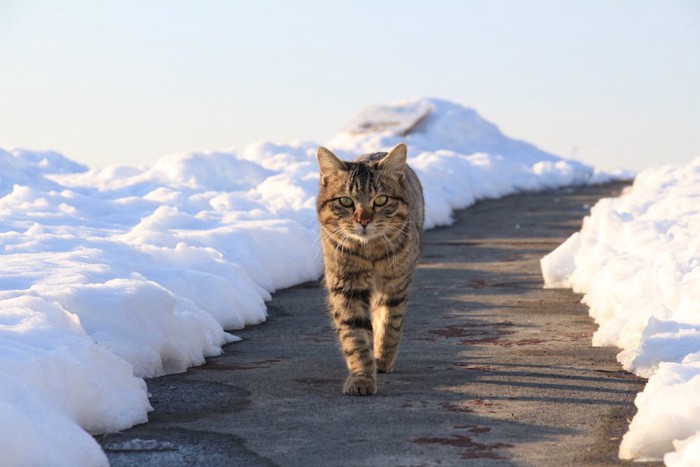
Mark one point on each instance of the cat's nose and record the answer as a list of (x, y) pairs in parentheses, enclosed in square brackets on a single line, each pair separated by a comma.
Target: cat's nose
[(363, 217)]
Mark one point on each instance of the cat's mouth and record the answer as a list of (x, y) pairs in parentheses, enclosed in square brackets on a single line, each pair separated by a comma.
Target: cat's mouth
[(364, 235)]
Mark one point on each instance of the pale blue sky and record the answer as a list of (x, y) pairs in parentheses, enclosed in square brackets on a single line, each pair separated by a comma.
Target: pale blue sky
[(126, 82)]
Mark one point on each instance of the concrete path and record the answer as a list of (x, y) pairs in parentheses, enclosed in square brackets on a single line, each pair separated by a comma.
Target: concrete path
[(493, 369)]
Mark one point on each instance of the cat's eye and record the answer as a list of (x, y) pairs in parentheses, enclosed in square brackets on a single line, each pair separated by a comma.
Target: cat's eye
[(380, 200), (346, 202)]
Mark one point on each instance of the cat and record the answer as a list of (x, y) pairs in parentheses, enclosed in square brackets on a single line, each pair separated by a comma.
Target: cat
[(371, 214)]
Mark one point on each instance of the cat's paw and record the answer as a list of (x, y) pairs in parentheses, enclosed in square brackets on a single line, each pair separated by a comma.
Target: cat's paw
[(360, 386), (384, 366)]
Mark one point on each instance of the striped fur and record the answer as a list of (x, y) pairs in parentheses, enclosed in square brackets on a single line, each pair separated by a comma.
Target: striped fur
[(371, 216)]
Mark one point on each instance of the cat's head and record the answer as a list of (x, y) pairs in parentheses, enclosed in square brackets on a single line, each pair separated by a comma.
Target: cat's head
[(365, 199)]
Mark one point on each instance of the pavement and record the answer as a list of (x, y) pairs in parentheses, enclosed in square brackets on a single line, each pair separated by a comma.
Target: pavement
[(493, 369)]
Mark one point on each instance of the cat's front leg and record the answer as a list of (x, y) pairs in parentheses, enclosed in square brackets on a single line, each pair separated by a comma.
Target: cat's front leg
[(349, 300), (389, 311)]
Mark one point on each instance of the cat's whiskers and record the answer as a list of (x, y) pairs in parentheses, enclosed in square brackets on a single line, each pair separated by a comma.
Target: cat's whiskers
[(391, 249), (398, 234), (317, 243), (341, 236)]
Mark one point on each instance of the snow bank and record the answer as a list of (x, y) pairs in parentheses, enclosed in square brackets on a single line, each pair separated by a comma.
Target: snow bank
[(109, 276), (637, 262)]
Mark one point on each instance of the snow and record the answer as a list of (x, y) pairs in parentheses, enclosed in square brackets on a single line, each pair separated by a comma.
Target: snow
[(637, 262), (109, 276)]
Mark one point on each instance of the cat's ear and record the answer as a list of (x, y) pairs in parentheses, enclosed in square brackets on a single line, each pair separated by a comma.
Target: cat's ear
[(395, 161), (328, 163)]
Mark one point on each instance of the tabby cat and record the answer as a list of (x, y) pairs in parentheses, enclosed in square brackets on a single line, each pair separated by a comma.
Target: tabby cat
[(371, 215)]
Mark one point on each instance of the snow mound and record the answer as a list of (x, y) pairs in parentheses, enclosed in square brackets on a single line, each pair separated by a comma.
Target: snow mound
[(435, 124), (27, 168), (112, 275), (637, 262)]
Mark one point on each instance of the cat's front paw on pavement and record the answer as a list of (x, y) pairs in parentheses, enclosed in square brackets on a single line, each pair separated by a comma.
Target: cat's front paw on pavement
[(360, 386)]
